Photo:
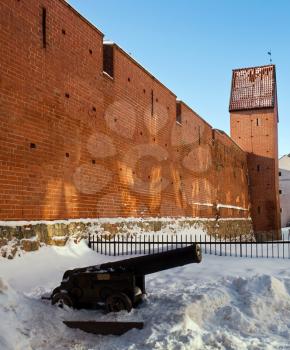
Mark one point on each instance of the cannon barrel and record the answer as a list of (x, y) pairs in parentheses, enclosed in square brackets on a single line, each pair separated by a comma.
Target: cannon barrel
[(145, 265)]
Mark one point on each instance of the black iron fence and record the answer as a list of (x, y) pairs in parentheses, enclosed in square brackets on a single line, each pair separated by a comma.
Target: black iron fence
[(237, 246)]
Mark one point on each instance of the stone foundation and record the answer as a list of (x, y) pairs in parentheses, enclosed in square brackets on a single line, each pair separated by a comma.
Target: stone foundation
[(16, 236)]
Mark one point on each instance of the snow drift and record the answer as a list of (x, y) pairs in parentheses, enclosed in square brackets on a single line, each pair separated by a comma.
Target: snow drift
[(222, 303)]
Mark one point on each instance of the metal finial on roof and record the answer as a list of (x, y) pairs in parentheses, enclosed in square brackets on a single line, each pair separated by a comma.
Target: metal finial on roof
[(270, 54)]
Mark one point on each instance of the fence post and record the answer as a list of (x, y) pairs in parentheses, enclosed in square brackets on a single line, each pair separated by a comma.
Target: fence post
[(251, 246), (226, 245), (272, 245), (89, 241)]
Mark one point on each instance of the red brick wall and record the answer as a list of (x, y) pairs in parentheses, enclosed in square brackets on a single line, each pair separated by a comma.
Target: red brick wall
[(103, 147)]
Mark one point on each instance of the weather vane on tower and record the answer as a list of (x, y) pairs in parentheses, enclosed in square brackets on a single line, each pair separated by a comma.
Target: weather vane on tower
[(270, 55)]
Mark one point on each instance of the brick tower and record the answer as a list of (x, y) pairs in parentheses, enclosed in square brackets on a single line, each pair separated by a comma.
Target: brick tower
[(254, 121)]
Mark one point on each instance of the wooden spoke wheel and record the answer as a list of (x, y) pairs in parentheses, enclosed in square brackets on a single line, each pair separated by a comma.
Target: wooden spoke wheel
[(118, 302), (60, 299)]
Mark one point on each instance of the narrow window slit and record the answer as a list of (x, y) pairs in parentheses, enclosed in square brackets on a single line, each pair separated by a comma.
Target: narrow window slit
[(108, 59), (44, 27)]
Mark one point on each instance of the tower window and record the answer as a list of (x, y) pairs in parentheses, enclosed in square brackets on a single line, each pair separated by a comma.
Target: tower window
[(280, 174), (178, 113), (108, 60), (259, 210), (258, 121), (258, 167), (280, 191)]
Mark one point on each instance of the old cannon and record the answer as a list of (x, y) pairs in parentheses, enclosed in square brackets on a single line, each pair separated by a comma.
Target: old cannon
[(119, 285)]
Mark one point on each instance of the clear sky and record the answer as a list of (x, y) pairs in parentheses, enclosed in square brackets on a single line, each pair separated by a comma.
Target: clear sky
[(192, 46)]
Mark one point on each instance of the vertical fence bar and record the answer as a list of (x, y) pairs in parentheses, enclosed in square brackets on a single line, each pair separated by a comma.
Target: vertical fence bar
[(209, 244), (267, 250), (272, 245), (158, 243), (89, 243), (205, 244), (167, 242), (241, 246), (162, 242), (257, 246), (251, 246), (94, 243), (230, 244), (200, 240), (140, 245), (236, 245), (215, 245), (278, 249), (226, 245), (262, 244), (131, 245)]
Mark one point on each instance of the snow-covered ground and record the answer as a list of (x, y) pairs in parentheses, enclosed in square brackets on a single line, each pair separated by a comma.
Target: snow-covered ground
[(222, 303)]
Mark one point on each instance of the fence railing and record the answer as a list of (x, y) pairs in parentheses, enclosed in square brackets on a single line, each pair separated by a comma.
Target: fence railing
[(236, 246)]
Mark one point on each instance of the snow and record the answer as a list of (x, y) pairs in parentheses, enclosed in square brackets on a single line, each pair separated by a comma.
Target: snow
[(231, 207), (222, 303), (119, 219)]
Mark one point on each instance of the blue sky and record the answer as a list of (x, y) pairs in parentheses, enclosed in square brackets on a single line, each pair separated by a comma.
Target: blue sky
[(192, 46)]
